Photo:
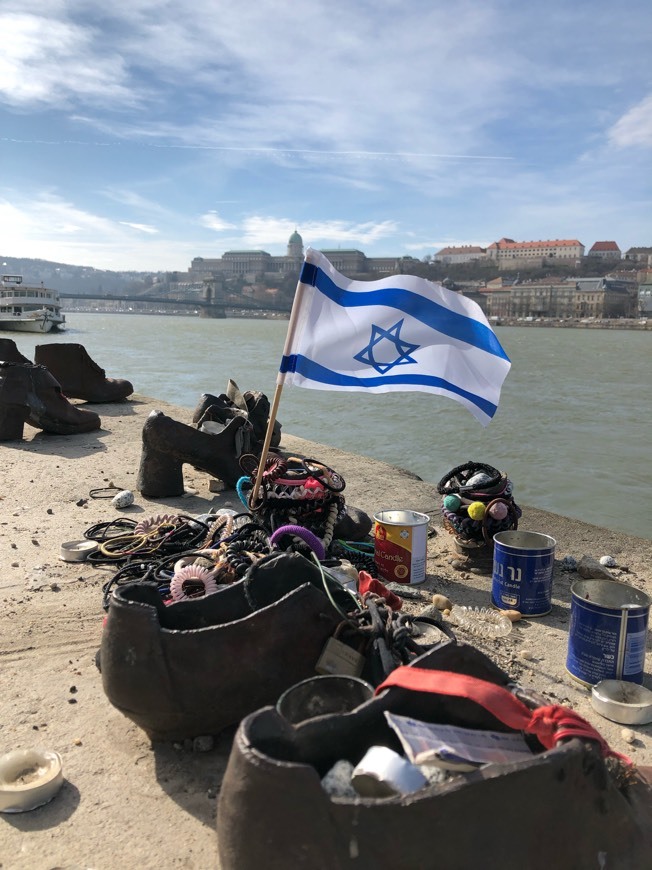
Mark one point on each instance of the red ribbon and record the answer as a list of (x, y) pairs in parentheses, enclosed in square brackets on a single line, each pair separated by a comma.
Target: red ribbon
[(549, 724)]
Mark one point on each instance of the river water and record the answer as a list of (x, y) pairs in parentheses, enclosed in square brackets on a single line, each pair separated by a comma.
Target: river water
[(572, 430)]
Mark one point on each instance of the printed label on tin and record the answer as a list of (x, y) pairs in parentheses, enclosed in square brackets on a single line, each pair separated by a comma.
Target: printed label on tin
[(522, 581), (634, 653), (400, 550), (594, 638)]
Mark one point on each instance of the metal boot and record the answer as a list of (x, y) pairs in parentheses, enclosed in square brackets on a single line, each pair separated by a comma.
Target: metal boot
[(10, 353), (167, 444), (30, 394), (80, 377)]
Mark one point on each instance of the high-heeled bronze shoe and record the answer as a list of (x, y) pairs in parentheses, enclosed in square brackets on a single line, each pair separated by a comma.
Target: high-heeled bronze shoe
[(30, 394), (168, 444)]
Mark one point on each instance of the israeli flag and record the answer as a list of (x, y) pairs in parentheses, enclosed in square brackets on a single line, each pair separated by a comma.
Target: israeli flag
[(400, 333)]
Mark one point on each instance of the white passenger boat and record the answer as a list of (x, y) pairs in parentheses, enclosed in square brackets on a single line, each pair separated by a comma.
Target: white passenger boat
[(29, 307)]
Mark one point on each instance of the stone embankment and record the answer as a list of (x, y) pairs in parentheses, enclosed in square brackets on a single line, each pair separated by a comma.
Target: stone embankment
[(126, 803)]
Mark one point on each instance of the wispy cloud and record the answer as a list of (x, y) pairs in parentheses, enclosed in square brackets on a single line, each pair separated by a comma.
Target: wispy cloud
[(143, 228), (212, 221), (635, 126), (156, 131), (49, 61)]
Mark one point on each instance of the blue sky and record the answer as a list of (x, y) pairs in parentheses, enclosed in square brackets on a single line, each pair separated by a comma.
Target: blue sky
[(141, 133)]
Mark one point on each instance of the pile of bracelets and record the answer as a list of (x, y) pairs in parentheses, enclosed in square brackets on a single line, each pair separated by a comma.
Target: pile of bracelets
[(185, 556), (299, 501), (477, 502)]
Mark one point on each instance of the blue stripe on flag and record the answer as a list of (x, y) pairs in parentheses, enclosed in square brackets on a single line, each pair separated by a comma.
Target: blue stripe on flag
[(434, 315), (309, 369)]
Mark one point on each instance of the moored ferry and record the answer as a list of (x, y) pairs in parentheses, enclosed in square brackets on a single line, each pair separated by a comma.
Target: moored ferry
[(28, 307)]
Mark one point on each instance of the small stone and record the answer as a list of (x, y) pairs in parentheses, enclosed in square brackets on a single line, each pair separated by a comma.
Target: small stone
[(569, 563), (49, 511), (446, 613), (211, 794), (512, 615), (628, 735), (203, 744), (441, 602), (525, 654), (590, 569), (123, 499), (73, 690), (72, 700), (35, 542), (77, 741), (14, 546), (15, 564), (608, 561), (55, 587)]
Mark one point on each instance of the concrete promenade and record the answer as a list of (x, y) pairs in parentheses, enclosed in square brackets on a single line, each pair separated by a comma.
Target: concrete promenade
[(128, 804)]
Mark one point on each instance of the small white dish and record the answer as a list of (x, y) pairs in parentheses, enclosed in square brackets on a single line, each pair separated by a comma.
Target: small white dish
[(29, 778), (623, 702), (77, 551)]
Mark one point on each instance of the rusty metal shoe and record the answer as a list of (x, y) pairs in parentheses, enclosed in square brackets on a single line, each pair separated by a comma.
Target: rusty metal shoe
[(79, 375), (252, 404), (197, 666), (168, 444), (560, 807), (30, 394)]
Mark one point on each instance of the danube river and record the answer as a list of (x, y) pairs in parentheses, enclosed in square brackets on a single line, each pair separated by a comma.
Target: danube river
[(572, 431)]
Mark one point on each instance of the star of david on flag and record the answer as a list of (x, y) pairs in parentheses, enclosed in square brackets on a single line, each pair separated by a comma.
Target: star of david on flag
[(401, 333)]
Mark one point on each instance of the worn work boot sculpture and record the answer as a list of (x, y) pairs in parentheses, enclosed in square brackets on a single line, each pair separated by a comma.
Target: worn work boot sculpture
[(30, 394), (80, 376), (252, 405)]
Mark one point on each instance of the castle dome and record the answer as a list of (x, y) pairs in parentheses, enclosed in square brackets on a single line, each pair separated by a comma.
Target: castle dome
[(295, 246)]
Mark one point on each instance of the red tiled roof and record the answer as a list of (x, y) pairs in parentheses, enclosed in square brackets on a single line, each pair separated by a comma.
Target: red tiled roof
[(605, 246), (552, 243)]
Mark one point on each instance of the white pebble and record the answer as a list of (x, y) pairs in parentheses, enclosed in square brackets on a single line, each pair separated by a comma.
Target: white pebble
[(123, 499), (628, 735), (608, 561)]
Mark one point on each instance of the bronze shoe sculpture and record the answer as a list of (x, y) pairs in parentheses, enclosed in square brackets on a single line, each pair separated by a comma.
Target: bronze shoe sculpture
[(252, 404), (559, 807), (197, 666), (10, 353), (168, 444), (79, 375), (30, 394)]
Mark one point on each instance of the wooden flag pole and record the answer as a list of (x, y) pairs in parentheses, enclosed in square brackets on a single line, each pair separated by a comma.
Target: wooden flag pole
[(280, 380), (268, 440)]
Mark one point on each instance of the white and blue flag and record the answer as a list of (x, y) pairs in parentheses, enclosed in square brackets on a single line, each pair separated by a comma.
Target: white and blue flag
[(401, 333)]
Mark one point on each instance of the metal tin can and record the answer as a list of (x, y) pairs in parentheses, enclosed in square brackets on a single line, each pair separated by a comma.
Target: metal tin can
[(608, 628), (400, 544), (522, 572)]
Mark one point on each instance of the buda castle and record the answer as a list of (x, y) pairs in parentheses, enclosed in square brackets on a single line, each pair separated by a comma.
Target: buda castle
[(251, 265)]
